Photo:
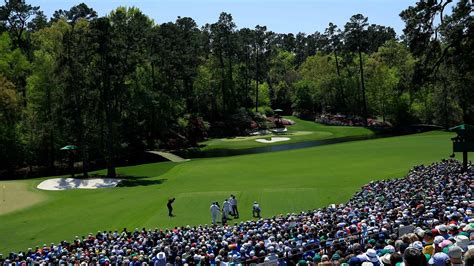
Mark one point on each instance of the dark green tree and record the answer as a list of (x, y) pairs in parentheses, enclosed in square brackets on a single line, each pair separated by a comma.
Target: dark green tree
[(355, 36), (14, 17), (334, 36), (224, 48), (81, 11)]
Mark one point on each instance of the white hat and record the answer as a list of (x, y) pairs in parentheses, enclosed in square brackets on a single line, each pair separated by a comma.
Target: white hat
[(386, 258), (442, 228), (461, 241), (455, 252), (438, 239), (390, 248), (161, 255), (371, 255), (417, 245)]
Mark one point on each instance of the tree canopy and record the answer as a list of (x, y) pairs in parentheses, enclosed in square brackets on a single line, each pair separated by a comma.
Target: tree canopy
[(119, 84)]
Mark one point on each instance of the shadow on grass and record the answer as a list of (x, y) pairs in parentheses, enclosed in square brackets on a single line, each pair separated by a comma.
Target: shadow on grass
[(140, 181), (130, 181)]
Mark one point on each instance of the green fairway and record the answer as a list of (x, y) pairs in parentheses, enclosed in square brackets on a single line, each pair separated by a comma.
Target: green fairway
[(281, 182), (302, 131)]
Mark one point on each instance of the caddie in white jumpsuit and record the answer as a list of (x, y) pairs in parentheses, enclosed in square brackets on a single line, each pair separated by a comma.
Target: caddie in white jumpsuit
[(214, 212), (226, 209)]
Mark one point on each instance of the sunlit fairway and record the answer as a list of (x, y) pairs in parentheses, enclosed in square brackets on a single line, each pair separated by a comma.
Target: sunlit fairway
[(16, 195), (301, 131), (281, 182)]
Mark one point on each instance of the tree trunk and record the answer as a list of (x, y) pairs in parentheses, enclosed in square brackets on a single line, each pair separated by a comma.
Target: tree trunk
[(85, 163), (231, 85), (383, 105), (110, 134), (79, 124), (188, 84), (71, 163), (341, 88), (256, 82), (109, 144), (464, 103), (52, 149), (152, 134), (445, 103), (224, 94), (362, 84)]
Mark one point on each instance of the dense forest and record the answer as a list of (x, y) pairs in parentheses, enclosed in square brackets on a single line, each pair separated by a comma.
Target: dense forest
[(120, 84)]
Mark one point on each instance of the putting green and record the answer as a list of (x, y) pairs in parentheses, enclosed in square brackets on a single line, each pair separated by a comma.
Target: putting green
[(294, 133), (302, 131), (281, 182)]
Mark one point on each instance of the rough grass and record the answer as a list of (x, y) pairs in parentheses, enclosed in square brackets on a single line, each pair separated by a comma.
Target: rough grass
[(16, 195), (281, 182)]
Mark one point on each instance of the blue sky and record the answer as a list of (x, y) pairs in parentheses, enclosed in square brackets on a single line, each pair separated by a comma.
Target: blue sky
[(281, 16)]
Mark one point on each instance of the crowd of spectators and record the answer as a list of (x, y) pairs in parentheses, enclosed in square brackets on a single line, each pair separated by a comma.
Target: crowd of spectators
[(423, 219)]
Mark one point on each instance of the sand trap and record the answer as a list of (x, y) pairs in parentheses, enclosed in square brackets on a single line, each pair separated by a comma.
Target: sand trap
[(272, 140), (280, 130), (73, 183)]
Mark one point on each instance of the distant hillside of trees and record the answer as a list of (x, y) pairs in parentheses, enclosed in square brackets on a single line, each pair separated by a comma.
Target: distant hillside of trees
[(120, 84)]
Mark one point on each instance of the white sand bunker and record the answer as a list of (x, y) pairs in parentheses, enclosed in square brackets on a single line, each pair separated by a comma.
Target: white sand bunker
[(272, 140), (73, 183)]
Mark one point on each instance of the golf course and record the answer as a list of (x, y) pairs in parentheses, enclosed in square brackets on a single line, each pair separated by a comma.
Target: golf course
[(236, 133), (282, 182)]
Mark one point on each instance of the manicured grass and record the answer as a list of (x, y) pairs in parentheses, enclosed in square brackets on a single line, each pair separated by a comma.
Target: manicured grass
[(300, 132), (18, 194), (281, 182)]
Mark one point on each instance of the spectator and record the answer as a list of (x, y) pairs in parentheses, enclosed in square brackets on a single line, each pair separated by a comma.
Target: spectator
[(469, 258), (428, 239), (395, 258), (455, 255), (414, 257), (439, 259)]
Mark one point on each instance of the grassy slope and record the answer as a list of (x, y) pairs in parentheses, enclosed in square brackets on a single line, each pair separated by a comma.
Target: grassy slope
[(301, 131), (281, 181)]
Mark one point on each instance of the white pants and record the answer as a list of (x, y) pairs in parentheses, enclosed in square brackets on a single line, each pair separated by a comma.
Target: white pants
[(214, 217), (226, 213)]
